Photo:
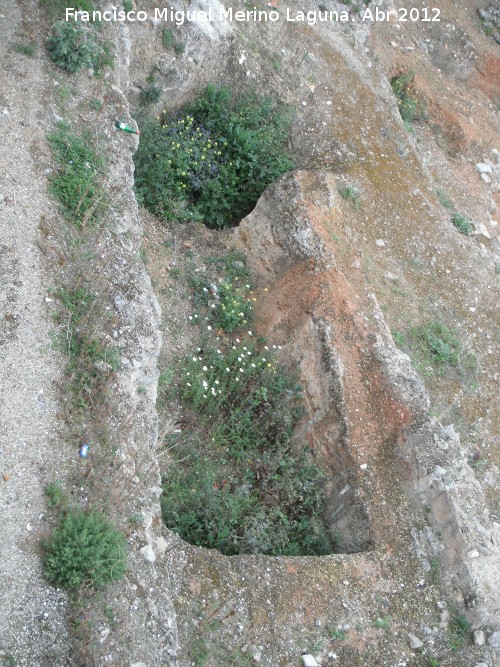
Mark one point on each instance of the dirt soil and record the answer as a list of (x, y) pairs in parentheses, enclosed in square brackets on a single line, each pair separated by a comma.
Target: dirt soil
[(412, 457)]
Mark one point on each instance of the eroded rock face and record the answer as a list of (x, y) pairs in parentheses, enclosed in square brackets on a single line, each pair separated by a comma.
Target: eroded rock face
[(366, 406)]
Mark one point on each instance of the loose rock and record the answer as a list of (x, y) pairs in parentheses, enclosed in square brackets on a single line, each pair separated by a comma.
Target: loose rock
[(414, 642)]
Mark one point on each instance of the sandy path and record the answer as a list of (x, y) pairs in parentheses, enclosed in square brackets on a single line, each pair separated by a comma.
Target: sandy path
[(32, 614)]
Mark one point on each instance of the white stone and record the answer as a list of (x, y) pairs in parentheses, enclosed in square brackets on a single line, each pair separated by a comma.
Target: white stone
[(483, 168), (483, 230), (309, 660), (494, 640), (148, 553), (414, 642), (380, 243), (479, 638), (363, 466), (486, 178), (473, 553)]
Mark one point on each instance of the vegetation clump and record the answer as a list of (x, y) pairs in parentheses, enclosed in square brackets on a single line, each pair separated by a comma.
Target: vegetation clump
[(84, 549), (90, 360), (211, 162), (458, 631), (25, 48), (240, 481), (79, 177), (352, 194), (56, 8), (462, 223), (408, 105), (437, 342), (151, 95), (75, 47)]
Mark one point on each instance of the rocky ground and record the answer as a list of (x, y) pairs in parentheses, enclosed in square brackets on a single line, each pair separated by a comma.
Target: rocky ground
[(417, 451)]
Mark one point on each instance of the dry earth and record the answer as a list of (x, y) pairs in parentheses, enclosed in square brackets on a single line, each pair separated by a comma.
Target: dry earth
[(422, 522)]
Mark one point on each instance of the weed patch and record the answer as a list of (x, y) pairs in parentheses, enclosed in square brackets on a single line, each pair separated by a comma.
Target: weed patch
[(90, 360), (437, 350), (462, 223), (78, 182), (212, 162), (25, 48), (57, 8), (409, 108), (84, 549), (75, 47), (458, 631), (352, 194), (239, 480), (151, 95)]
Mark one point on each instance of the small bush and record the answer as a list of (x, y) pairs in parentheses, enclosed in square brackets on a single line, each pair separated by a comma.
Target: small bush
[(151, 95), (336, 634), (240, 482), (458, 631), (168, 38), (351, 193), (90, 360), (213, 161), (169, 42), (26, 48), (84, 549), (462, 223), (439, 347), (55, 494), (57, 8), (78, 181), (409, 108), (229, 301), (74, 47)]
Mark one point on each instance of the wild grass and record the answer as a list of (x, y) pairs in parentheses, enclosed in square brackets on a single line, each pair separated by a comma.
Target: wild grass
[(74, 47), (410, 109), (239, 480), (79, 180), (352, 194), (462, 223)]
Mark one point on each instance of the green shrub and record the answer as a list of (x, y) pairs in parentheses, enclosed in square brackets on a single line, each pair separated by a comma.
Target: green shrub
[(351, 193), (168, 38), (84, 549), (439, 347), (75, 47), (458, 631), (57, 8), (151, 95), (213, 161), (90, 360), (409, 108), (26, 48), (55, 494), (240, 483), (169, 42), (462, 223), (78, 181)]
